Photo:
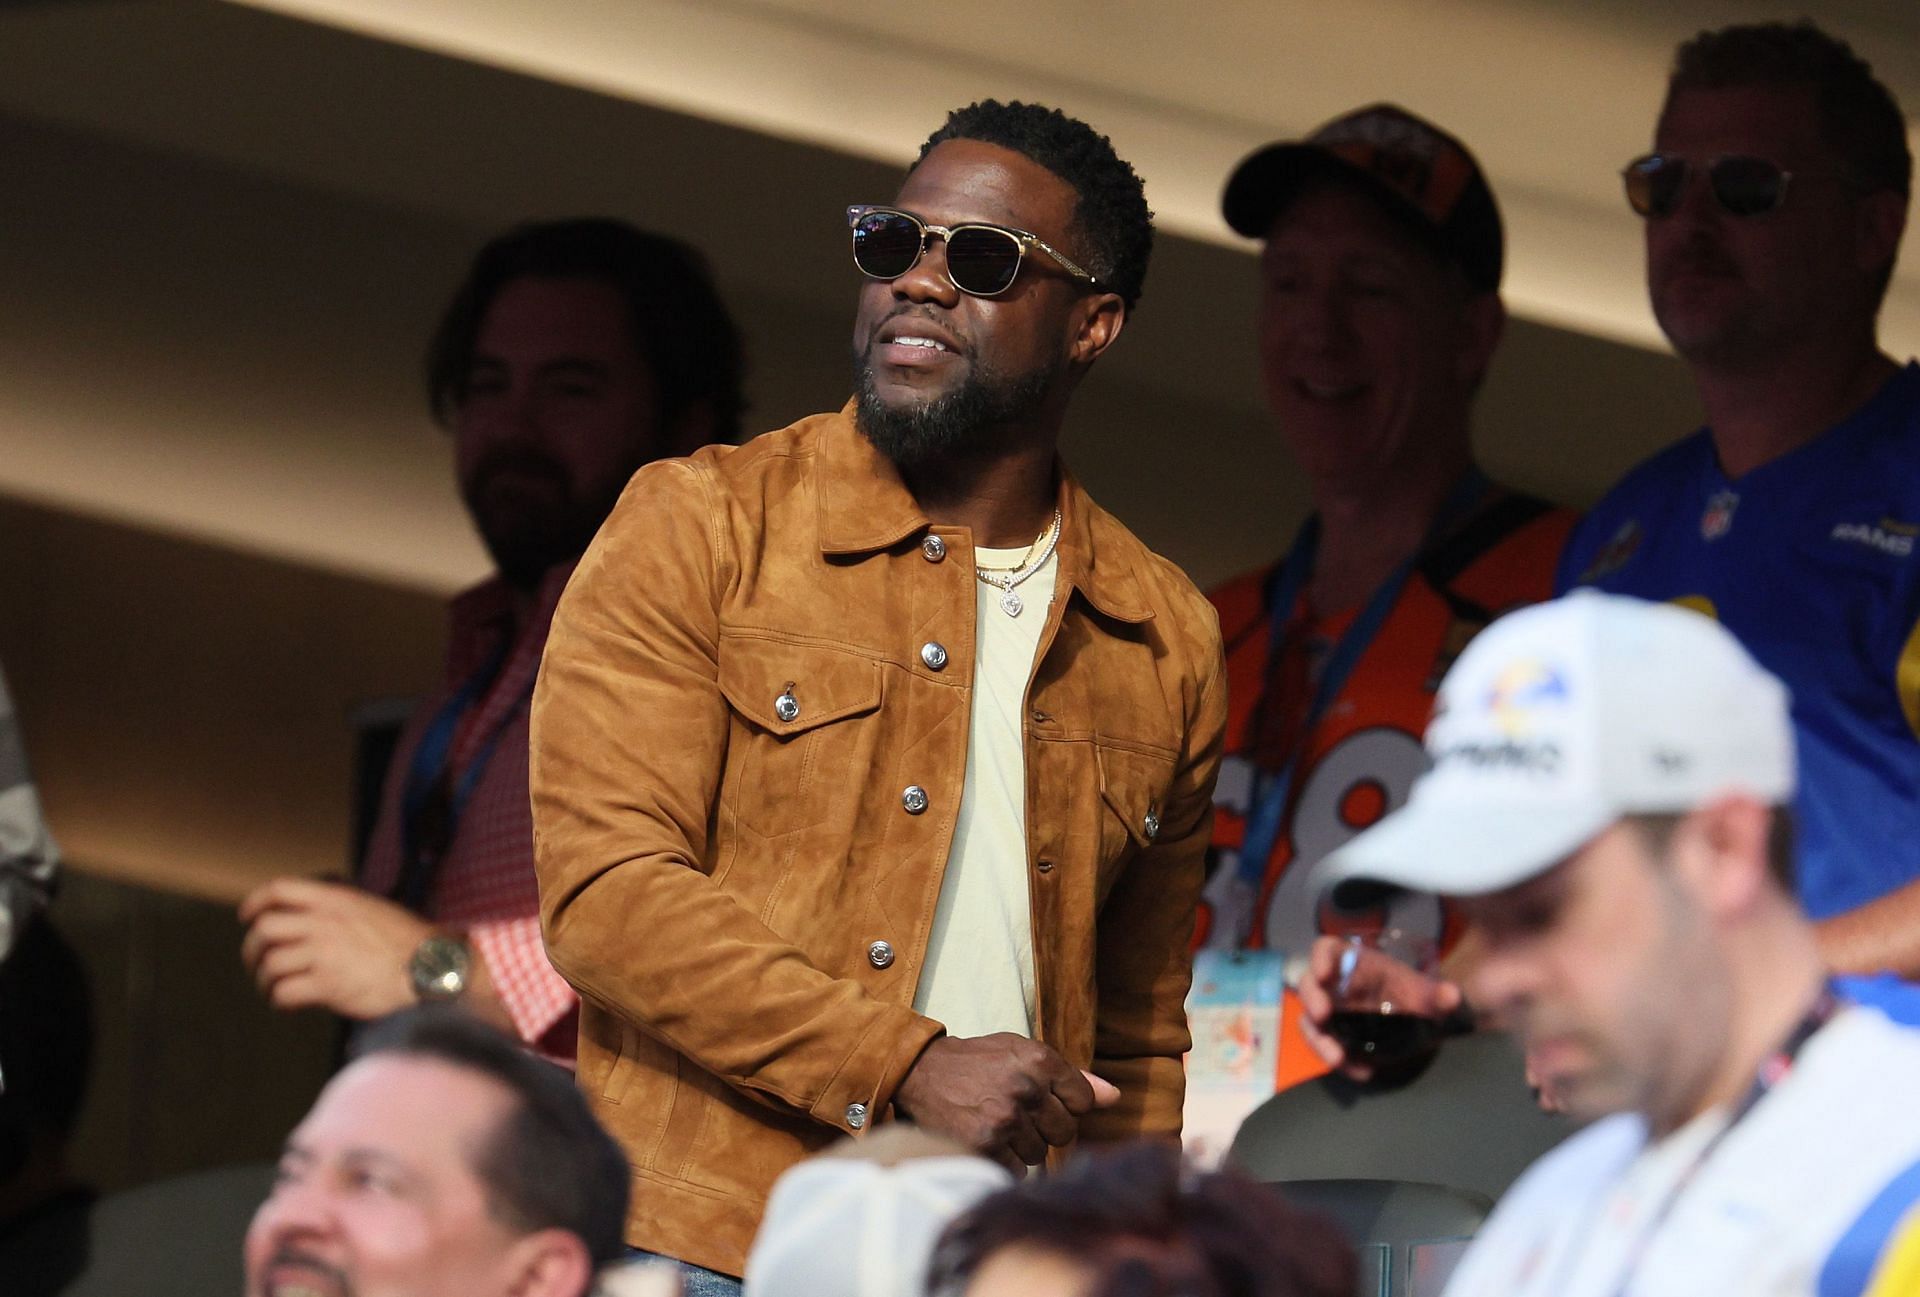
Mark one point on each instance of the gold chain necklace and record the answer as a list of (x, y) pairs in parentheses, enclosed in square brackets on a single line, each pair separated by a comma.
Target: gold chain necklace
[(1005, 579)]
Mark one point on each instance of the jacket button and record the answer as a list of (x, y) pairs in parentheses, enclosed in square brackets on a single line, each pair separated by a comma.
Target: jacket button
[(1151, 825), (880, 954), (914, 798), (933, 549), (856, 1115), (934, 654), (786, 706), (1044, 866)]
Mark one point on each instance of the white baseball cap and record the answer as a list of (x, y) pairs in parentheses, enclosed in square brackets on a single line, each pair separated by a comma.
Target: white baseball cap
[(1559, 719), (847, 1227)]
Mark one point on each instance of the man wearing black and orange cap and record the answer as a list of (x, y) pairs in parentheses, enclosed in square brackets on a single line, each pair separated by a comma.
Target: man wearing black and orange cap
[(1379, 314)]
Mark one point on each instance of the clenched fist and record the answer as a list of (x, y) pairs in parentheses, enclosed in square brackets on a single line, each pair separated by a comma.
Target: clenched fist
[(1004, 1095)]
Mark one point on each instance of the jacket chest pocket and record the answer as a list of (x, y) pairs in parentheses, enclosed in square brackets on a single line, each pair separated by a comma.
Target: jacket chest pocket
[(1134, 783), (796, 743)]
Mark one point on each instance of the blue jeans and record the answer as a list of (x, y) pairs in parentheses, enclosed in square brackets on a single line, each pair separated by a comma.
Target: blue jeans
[(694, 1281)]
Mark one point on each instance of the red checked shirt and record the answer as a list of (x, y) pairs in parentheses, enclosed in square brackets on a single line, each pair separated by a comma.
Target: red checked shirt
[(484, 886)]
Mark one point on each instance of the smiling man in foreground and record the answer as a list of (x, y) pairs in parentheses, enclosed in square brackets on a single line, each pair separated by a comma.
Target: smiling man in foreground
[(1605, 806), (442, 1162), (872, 759)]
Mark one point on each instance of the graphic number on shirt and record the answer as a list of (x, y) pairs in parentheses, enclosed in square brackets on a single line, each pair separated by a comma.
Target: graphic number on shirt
[(1361, 779)]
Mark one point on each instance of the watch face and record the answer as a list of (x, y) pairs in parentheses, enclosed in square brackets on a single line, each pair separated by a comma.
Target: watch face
[(439, 967)]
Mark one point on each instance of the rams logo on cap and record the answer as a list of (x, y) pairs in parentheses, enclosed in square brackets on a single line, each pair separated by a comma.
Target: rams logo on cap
[(1523, 689)]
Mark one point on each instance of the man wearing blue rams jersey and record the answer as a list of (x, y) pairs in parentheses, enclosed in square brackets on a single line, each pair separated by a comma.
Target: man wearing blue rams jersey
[(1774, 204)]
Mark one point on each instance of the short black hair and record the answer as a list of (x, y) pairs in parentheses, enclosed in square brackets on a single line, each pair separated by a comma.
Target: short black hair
[(1111, 213), (682, 327), (1147, 1227), (550, 1164), (1859, 118)]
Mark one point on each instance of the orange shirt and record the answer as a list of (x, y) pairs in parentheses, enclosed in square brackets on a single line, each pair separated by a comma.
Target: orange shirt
[(1359, 759)]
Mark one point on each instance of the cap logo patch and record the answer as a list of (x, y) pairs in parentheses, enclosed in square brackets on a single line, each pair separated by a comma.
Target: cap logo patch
[(1407, 154), (1521, 691), (1387, 132)]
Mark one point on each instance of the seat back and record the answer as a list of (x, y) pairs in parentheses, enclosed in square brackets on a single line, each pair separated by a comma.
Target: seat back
[(1469, 1121), (1408, 1235), (179, 1237)]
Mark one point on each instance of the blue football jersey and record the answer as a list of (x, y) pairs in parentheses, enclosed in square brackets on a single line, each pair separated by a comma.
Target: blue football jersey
[(1810, 560)]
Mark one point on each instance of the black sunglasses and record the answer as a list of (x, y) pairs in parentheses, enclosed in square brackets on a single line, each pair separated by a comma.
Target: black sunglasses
[(1742, 185), (981, 259)]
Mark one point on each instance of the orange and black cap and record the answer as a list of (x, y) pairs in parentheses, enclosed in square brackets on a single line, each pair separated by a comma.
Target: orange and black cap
[(1416, 170)]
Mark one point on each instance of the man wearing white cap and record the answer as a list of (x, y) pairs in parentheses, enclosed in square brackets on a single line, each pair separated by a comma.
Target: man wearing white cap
[(1604, 806), (861, 1219)]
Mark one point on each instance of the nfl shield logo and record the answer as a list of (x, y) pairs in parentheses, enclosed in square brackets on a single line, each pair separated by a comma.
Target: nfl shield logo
[(1718, 519)]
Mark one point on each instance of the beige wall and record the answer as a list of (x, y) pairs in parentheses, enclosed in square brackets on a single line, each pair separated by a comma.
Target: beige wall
[(186, 706)]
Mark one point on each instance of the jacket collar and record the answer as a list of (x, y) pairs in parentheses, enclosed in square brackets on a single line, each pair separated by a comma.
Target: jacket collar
[(1098, 555), (865, 508)]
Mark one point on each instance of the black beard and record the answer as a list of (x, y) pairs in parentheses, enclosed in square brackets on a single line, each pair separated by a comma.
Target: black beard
[(525, 551), (528, 533), (975, 422)]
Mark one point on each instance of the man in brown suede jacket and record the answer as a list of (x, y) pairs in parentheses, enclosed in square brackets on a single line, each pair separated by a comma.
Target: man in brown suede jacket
[(872, 760)]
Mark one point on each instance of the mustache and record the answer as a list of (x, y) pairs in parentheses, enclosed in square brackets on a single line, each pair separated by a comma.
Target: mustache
[(293, 1258), (1701, 257), (519, 460), (908, 310)]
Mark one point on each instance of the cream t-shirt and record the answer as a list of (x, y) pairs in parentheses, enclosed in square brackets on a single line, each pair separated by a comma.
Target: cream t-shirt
[(978, 977)]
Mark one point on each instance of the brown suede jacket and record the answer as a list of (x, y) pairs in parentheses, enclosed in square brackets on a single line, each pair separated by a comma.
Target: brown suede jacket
[(733, 707)]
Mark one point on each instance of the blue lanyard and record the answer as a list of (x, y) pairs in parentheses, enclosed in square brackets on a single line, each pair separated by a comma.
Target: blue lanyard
[(1273, 792), (429, 770)]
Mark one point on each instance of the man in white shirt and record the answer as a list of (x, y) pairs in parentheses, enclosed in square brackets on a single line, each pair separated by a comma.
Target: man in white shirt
[(1606, 805)]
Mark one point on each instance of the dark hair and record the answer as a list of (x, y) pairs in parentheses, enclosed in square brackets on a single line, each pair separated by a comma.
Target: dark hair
[(679, 322), (1146, 1227), (1858, 117), (1110, 214), (1656, 830), (550, 1164)]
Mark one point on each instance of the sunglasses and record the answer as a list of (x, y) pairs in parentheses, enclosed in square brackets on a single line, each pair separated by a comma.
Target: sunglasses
[(1742, 185), (982, 260)]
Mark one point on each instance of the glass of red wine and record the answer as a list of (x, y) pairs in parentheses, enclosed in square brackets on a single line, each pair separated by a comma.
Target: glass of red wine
[(1382, 995)]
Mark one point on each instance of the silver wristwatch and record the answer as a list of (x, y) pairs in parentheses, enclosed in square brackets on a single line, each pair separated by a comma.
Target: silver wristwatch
[(439, 967)]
